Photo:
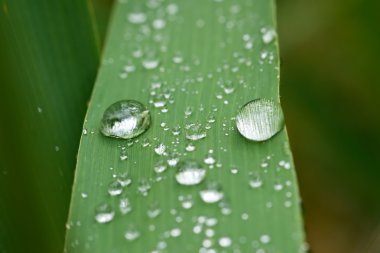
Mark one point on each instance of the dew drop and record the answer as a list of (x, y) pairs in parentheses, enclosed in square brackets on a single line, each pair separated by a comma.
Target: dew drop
[(265, 239), (104, 213), (190, 173), (195, 132), (212, 193), (125, 119), (260, 119), (150, 63), (131, 233), (137, 17), (115, 188), (124, 179), (153, 211), (175, 232), (125, 206), (123, 155), (225, 242), (160, 149), (160, 167), (159, 23), (190, 147), (268, 35), (186, 201)]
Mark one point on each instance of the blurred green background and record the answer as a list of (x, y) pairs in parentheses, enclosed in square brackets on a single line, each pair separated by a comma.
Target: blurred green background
[(330, 87)]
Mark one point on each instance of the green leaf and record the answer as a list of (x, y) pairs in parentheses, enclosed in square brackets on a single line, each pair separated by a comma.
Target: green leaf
[(213, 57), (48, 59)]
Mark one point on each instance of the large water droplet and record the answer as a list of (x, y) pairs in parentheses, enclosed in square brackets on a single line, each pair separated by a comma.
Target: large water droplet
[(225, 242), (125, 206), (125, 119), (260, 119), (190, 173), (115, 188), (104, 213)]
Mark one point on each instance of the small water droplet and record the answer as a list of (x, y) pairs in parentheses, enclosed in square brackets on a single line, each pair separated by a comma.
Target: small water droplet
[(84, 195), (153, 210), (125, 206), (265, 239), (177, 58), (190, 147), (175, 232), (115, 188), (123, 155), (131, 233), (190, 173), (104, 213), (144, 187), (160, 166), (125, 119), (173, 159), (160, 149), (209, 159), (260, 119), (124, 179), (195, 132), (129, 67), (225, 242), (212, 193), (269, 35), (85, 132), (150, 63), (186, 201), (137, 17), (159, 23)]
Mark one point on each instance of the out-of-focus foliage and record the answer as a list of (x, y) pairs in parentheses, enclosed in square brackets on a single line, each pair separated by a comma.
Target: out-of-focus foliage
[(330, 90)]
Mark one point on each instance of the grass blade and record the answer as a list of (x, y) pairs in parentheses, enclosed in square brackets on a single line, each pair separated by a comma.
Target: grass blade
[(199, 45)]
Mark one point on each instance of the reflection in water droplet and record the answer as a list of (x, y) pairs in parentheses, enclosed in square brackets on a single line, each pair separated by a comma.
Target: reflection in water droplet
[(260, 119), (212, 193), (190, 173), (125, 119), (104, 213)]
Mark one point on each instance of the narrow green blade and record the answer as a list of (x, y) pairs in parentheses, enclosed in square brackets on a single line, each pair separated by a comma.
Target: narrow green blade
[(208, 58)]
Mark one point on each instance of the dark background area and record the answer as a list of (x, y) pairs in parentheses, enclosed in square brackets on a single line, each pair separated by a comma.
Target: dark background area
[(330, 87)]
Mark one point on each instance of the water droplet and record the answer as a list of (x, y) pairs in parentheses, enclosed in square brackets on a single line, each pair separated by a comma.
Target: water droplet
[(225, 242), (188, 111), (115, 188), (123, 155), (137, 17), (125, 206), (84, 131), (186, 201), (129, 67), (160, 167), (190, 173), (195, 132), (150, 63), (190, 147), (125, 119), (265, 239), (159, 23), (268, 35), (131, 233), (209, 159), (212, 193), (153, 210), (175, 232), (160, 149), (278, 186), (173, 159), (255, 181), (177, 58), (172, 9), (144, 187), (84, 195), (124, 179), (260, 119), (104, 213)]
